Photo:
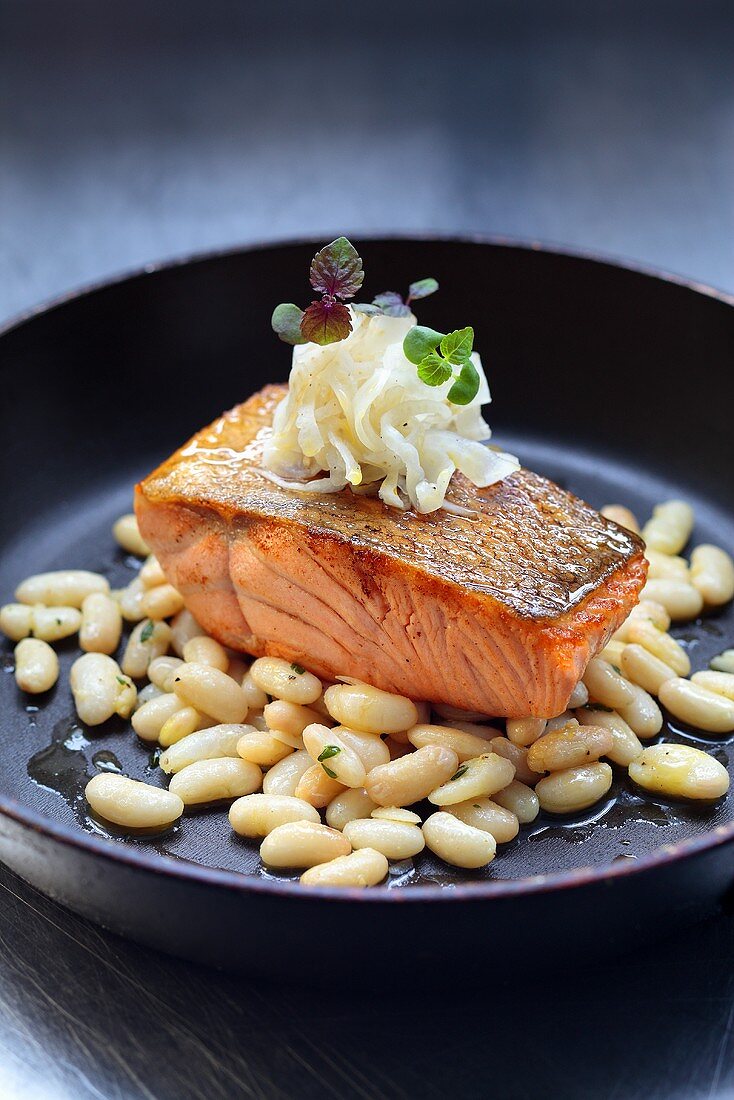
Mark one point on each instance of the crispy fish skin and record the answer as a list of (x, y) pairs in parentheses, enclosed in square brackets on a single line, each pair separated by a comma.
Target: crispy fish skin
[(498, 612)]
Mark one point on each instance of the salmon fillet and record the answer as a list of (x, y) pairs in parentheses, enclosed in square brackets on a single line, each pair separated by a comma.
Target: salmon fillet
[(499, 612)]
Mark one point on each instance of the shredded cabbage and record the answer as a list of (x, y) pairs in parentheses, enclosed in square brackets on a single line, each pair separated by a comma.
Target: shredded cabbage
[(357, 412)]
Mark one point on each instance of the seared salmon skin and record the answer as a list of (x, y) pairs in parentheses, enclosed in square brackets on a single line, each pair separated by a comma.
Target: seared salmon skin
[(498, 611)]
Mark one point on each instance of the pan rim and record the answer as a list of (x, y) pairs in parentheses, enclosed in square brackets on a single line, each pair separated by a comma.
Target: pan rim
[(241, 883)]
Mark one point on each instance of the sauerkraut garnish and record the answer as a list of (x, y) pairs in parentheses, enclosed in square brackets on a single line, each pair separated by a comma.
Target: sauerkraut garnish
[(357, 414)]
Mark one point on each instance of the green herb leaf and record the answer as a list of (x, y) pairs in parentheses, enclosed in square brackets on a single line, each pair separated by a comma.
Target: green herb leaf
[(420, 342), (299, 669), (337, 270), (369, 310), (391, 304), (433, 370), (458, 774), (123, 681), (331, 774), (387, 299), (147, 632), (326, 321), (327, 752), (286, 321), (422, 289), (457, 346), (466, 386)]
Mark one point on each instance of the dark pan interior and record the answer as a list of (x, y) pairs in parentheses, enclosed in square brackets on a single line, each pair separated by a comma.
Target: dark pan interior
[(615, 384)]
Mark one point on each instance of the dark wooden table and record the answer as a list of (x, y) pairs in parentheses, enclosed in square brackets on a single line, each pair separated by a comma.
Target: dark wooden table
[(137, 131)]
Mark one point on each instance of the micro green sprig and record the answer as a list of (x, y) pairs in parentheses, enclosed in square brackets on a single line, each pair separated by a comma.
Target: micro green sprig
[(336, 274), (437, 354)]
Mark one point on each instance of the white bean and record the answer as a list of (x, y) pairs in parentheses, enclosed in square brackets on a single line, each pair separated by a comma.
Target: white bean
[(395, 813), (151, 573), (101, 624), (338, 760), (203, 650), (127, 535), (523, 731), (712, 573), (679, 598), (520, 799), (698, 706), (455, 842), (370, 710), (147, 641), (680, 771), (612, 654), (660, 644), (477, 778), (642, 715), (210, 691), (642, 667), (724, 662), (256, 815), (208, 744), (215, 780), (348, 806), (149, 720), (721, 683), (517, 756), (255, 696), (575, 789), (605, 684), (559, 721), (150, 691), (370, 748), (465, 745), (100, 689), (289, 717), (579, 697), (162, 602), (36, 666), (303, 844), (645, 611), (132, 804), (161, 669), (316, 787), (359, 869), (411, 778), (50, 624), (183, 627), (395, 839), (65, 588), (666, 567), (130, 600), (283, 778), (626, 745), (623, 516), (488, 816), (569, 747), (670, 527), (285, 680), (185, 721), (262, 748)]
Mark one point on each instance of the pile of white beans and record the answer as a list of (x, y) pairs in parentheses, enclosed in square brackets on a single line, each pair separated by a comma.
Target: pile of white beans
[(329, 778)]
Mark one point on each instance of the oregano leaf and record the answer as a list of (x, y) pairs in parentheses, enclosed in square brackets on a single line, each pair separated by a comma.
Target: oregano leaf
[(366, 308), (422, 289), (286, 322), (400, 310), (433, 370), (420, 342), (457, 345), (466, 386), (336, 270), (326, 321)]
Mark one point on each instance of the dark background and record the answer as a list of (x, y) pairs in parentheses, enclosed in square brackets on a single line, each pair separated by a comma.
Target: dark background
[(136, 131)]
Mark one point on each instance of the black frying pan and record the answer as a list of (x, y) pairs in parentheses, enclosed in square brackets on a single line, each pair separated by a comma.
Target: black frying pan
[(616, 383)]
